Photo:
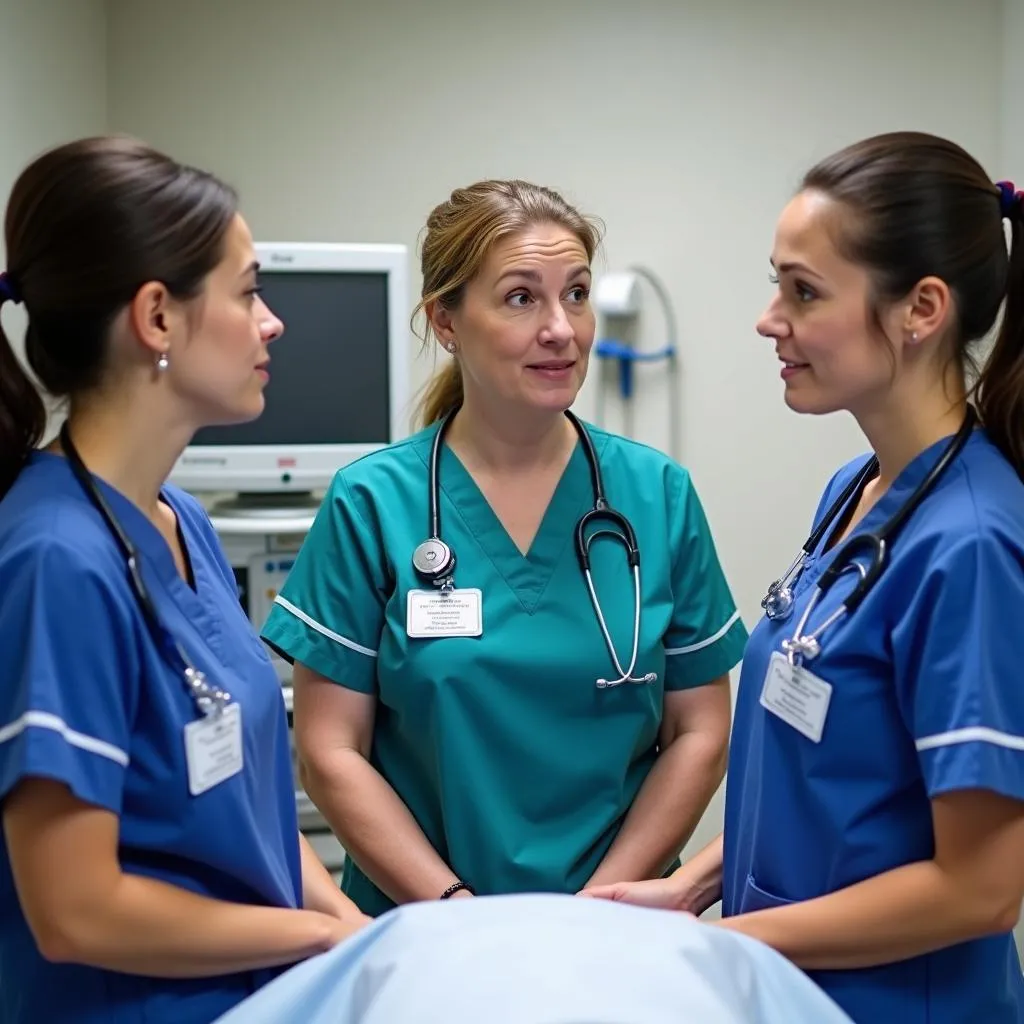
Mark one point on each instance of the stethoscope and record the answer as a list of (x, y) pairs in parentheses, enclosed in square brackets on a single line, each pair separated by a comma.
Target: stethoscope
[(209, 699), (434, 560), (871, 547)]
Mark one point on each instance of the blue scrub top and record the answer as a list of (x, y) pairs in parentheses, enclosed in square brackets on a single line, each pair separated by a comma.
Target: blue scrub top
[(87, 700), (926, 699)]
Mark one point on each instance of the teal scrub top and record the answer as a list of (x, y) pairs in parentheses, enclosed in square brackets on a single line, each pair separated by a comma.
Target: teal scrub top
[(518, 769)]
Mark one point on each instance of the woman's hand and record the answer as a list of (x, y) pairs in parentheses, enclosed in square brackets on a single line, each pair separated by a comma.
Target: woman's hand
[(344, 925), (670, 893)]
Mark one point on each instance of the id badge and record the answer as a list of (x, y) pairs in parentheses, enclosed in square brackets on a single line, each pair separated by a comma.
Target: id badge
[(433, 613), (796, 696), (213, 749)]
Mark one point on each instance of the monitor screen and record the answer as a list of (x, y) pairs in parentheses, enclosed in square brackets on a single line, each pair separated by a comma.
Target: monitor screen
[(330, 378)]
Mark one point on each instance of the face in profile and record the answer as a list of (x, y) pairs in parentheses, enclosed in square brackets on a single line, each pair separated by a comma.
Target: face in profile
[(525, 327), (224, 364), (831, 352)]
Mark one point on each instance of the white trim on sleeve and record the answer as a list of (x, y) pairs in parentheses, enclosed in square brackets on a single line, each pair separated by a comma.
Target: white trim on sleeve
[(329, 633), (690, 648), (973, 734), (45, 720)]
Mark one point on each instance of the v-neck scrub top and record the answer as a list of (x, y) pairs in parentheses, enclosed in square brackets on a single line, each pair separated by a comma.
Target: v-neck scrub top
[(518, 769), (926, 699), (87, 700)]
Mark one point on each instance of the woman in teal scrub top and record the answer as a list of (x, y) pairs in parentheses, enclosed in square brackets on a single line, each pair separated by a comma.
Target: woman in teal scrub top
[(472, 750)]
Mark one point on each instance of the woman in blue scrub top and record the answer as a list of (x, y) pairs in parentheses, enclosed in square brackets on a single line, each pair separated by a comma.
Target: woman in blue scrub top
[(152, 868), (874, 827), (463, 744)]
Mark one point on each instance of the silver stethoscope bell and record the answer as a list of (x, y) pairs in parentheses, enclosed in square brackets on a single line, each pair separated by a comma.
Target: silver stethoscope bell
[(435, 561), (778, 604)]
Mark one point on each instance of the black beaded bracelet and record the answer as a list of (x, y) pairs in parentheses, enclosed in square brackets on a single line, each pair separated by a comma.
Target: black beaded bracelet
[(455, 887)]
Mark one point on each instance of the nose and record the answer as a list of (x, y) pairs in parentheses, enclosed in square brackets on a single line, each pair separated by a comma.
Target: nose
[(771, 323), (271, 326), (557, 328)]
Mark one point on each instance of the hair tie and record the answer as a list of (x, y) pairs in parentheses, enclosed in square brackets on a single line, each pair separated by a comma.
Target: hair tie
[(1010, 198), (8, 289)]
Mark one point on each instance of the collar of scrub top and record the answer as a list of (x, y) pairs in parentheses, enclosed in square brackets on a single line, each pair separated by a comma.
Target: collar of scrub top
[(778, 602), (210, 700), (872, 546), (434, 560)]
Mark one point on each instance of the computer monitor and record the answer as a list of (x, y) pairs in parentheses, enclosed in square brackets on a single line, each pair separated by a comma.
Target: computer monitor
[(339, 376)]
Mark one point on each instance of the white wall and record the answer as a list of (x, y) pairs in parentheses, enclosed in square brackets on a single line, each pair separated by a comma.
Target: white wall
[(1012, 107), (684, 124), (53, 84)]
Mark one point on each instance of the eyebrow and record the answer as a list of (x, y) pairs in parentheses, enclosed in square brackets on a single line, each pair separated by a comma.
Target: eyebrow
[(534, 275), (253, 268), (791, 266)]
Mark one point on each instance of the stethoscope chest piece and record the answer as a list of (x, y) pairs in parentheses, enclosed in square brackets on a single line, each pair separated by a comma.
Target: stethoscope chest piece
[(778, 603), (434, 561)]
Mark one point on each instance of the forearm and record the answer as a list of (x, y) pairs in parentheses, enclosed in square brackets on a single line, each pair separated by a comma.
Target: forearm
[(701, 877), (902, 913), (319, 891), (143, 926), (666, 810), (376, 828)]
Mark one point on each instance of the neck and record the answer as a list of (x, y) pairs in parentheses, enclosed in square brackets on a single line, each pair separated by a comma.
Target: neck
[(904, 426), (129, 442), (500, 440)]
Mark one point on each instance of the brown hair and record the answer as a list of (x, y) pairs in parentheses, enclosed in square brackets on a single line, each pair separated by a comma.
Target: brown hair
[(87, 224), (921, 206), (459, 234)]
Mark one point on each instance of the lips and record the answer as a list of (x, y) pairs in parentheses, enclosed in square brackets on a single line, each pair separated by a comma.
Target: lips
[(558, 364)]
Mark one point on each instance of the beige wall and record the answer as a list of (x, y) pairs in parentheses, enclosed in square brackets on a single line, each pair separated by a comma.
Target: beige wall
[(684, 124), (53, 85)]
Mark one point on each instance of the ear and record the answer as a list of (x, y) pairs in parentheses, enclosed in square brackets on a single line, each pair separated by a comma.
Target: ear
[(441, 322), (154, 317), (928, 310)]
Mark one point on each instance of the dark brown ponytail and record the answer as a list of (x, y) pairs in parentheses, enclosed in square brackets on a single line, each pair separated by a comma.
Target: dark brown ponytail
[(1000, 386), (87, 225), (22, 414)]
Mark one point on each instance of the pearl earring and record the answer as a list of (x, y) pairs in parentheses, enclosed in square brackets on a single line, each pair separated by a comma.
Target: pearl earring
[(163, 362), (913, 338)]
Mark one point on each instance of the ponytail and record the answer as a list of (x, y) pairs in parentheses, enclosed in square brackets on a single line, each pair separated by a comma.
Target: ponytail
[(22, 415), (1000, 385), (442, 395)]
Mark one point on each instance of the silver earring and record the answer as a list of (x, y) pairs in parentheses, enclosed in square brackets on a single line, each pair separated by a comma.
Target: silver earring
[(163, 362), (913, 338), (451, 347)]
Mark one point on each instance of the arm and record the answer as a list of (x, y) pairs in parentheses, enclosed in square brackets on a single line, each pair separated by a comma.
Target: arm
[(699, 880), (690, 767), (972, 887), (319, 891), (83, 909), (691, 888), (333, 732)]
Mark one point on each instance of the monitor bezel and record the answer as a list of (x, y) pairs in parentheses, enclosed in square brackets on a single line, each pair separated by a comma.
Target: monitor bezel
[(303, 468)]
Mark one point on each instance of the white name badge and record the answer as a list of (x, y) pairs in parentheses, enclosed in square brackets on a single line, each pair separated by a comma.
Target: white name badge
[(796, 696), (213, 749), (455, 613)]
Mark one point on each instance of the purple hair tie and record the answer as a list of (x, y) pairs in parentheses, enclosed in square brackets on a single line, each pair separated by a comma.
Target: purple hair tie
[(1009, 198), (8, 289)]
